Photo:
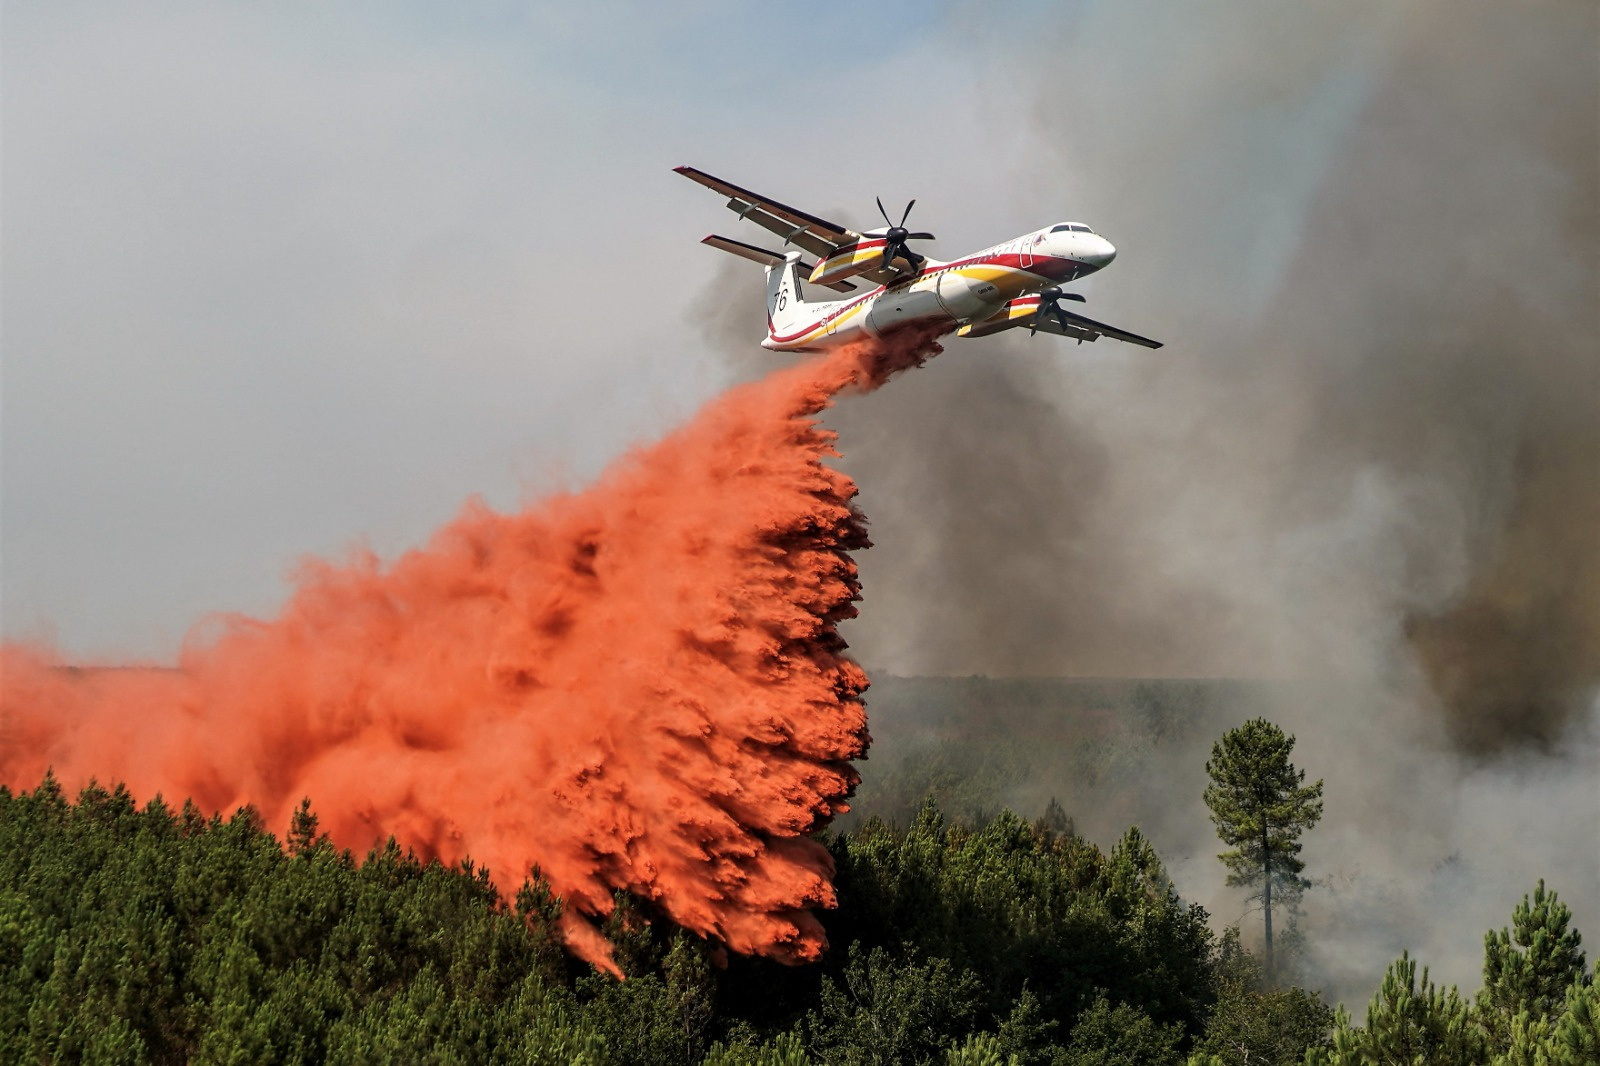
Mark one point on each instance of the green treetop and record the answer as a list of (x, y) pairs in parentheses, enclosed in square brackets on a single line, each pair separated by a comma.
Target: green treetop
[(1529, 967), (1261, 805), (1407, 1023)]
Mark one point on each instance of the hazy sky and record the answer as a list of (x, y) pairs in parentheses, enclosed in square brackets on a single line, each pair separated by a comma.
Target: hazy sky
[(283, 278)]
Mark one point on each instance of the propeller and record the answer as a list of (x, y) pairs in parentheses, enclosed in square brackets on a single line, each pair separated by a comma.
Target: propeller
[(894, 239), (1050, 304)]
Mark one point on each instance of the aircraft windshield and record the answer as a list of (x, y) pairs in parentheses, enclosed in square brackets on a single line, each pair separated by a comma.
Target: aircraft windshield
[(1074, 227)]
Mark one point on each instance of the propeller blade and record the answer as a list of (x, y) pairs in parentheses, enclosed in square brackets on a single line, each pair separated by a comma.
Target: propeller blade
[(1050, 304), (895, 237)]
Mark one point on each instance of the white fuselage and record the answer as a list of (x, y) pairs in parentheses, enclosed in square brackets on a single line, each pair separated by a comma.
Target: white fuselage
[(951, 294)]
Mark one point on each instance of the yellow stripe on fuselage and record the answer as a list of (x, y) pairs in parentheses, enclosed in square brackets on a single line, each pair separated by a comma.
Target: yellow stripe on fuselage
[(1010, 281)]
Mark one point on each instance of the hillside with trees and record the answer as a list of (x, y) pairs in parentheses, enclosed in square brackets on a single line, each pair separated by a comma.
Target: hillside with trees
[(157, 934)]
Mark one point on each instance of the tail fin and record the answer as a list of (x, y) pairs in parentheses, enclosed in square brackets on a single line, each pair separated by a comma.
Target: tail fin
[(785, 308)]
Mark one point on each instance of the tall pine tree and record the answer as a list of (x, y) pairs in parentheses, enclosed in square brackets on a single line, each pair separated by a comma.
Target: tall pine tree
[(1261, 804)]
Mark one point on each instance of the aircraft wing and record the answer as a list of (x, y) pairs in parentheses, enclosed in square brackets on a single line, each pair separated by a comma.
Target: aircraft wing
[(1087, 329), (800, 228)]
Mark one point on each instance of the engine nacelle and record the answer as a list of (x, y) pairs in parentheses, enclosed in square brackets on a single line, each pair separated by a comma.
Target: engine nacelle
[(847, 262), (1018, 312)]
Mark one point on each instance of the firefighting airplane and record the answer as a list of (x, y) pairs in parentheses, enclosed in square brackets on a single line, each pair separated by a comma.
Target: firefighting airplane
[(1012, 284)]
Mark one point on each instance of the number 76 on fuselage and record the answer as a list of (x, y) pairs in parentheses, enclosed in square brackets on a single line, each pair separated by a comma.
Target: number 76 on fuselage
[(1014, 283)]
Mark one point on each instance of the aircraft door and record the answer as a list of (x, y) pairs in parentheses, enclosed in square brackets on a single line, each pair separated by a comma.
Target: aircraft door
[(1025, 253)]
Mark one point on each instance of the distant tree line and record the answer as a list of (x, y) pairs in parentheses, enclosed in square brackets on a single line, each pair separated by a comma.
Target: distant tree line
[(152, 934)]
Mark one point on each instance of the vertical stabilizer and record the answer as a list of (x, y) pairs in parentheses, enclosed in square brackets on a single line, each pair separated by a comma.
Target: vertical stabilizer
[(785, 309)]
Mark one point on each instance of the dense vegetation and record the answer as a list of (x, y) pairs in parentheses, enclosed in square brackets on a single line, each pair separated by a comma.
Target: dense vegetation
[(133, 934)]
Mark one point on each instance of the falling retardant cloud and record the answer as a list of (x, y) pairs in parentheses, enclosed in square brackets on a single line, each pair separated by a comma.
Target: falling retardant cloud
[(636, 688)]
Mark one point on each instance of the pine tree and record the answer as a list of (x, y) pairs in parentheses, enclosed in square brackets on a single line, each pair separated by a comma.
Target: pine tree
[(1260, 806), (1577, 1033), (1528, 1042), (1528, 968), (303, 838), (1407, 1023), (980, 1049)]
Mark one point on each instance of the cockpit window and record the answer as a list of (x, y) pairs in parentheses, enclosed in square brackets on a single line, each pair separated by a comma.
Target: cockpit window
[(1074, 227)]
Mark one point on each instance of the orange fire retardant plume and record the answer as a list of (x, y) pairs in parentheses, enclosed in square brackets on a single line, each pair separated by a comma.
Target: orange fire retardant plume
[(635, 687)]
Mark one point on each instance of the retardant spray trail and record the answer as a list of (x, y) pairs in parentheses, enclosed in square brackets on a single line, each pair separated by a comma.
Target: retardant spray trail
[(636, 687)]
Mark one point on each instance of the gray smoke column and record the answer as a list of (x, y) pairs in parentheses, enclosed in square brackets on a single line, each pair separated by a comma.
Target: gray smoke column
[(1370, 454), (1443, 315), (1370, 241)]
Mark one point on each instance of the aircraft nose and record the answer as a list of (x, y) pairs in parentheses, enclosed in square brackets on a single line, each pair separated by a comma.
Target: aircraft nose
[(1100, 252)]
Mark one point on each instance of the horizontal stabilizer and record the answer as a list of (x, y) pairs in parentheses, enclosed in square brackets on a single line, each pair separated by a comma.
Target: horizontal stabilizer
[(766, 258)]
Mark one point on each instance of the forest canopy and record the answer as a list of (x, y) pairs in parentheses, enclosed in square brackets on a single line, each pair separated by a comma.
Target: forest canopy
[(158, 934)]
